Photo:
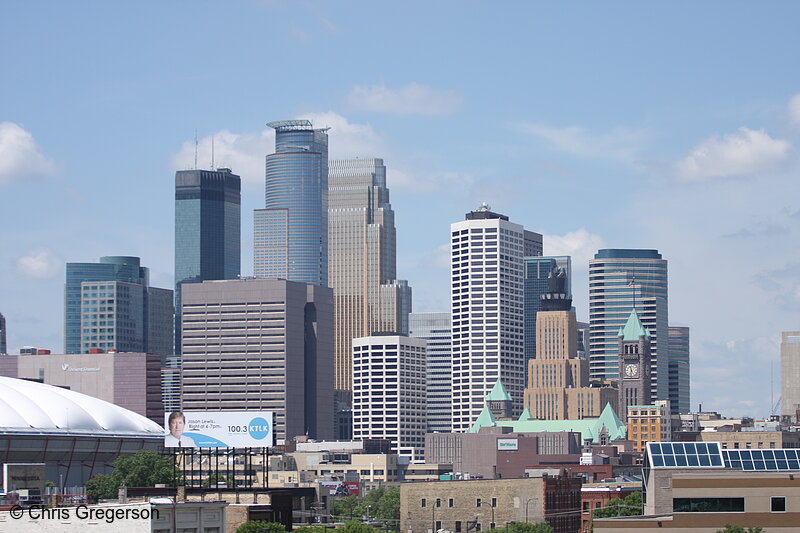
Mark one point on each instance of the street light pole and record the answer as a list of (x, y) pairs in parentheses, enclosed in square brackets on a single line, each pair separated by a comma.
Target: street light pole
[(529, 500)]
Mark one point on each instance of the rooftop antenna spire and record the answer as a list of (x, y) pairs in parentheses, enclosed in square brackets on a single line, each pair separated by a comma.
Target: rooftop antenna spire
[(212, 152), (195, 148)]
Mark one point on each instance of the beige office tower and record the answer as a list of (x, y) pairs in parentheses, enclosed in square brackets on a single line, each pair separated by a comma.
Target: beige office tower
[(361, 260), (558, 381), (260, 344), (790, 374)]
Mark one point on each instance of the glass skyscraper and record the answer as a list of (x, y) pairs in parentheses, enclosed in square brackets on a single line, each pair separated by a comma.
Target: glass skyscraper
[(207, 230), (435, 328), (291, 232), (110, 306), (3, 345), (537, 270), (619, 281), (679, 375)]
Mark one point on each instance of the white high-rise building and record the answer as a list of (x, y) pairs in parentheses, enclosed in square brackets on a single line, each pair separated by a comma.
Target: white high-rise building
[(487, 309), (389, 392)]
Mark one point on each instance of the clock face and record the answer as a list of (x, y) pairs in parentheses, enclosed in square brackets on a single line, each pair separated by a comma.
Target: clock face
[(631, 370)]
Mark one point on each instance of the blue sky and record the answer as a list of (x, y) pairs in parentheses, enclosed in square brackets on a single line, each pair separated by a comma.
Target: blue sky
[(617, 124)]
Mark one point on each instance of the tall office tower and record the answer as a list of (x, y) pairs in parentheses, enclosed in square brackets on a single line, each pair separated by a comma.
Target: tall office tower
[(583, 340), (619, 282), (537, 273), (171, 384), (207, 230), (261, 344), (362, 253), (3, 344), (291, 232), (558, 380), (634, 362), (679, 375), (434, 328), (487, 309), (389, 392), (110, 306), (790, 375)]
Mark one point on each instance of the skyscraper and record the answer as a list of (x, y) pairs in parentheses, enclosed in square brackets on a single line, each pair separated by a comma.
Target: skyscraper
[(620, 281), (261, 344), (487, 309), (361, 259), (207, 230), (110, 306), (3, 344), (291, 232), (790, 375), (679, 375), (389, 392), (537, 273), (435, 329)]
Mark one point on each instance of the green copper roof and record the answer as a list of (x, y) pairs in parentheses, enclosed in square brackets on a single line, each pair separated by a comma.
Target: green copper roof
[(633, 329), (526, 415), (485, 419), (589, 428), (498, 393)]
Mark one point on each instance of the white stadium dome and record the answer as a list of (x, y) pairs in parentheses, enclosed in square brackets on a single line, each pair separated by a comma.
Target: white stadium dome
[(37, 406)]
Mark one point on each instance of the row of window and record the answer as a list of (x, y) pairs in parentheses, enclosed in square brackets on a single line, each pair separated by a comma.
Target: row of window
[(451, 502)]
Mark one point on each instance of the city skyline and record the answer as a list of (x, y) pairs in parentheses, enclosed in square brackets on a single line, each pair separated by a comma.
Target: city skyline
[(672, 144)]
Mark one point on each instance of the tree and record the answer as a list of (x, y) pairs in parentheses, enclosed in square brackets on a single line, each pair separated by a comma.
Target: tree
[(528, 527), (380, 503), (739, 529), (348, 507), (310, 529), (631, 505), (101, 487), (214, 479), (354, 526), (143, 469), (261, 526)]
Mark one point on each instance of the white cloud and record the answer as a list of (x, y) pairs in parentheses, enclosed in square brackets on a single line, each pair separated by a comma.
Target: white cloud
[(244, 153), (736, 154), (20, 156), (411, 99), (400, 180), (794, 109), (580, 244), (38, 264), (619, 144)]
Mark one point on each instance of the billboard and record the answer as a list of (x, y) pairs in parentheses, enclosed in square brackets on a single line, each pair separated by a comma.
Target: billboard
[(341, 488), (217, 429)]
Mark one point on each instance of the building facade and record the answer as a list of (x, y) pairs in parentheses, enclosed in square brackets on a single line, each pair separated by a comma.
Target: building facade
[(679, 370), (621, 280), (389, 391), (362, 251), (208, 224), (649, 423), (291, 232), (129, 380), (3, 341), (487, 504), (537, 275), (110, 306), (435, 329), (790, 374), (260, 344), (487, 287)]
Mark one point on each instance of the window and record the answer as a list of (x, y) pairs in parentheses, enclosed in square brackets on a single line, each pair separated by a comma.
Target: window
[(477, 502), (451, 502), (458, 526), (423, 502), (778, 504), (494, 502), (438, 525), (438, 502), (708, 505)]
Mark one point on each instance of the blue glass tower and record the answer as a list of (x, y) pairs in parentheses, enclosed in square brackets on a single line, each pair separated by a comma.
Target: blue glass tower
[(207, 230), (291, 233), (110, 305), (621, 280)]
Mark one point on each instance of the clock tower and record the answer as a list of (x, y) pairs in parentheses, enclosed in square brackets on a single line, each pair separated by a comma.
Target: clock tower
[(634, 365)]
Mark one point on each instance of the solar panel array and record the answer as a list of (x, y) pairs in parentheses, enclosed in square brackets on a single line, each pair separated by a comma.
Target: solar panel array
[(685, 455), (763, 460)]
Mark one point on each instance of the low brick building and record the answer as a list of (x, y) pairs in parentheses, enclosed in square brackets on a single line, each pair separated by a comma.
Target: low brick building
[(484, 504)]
